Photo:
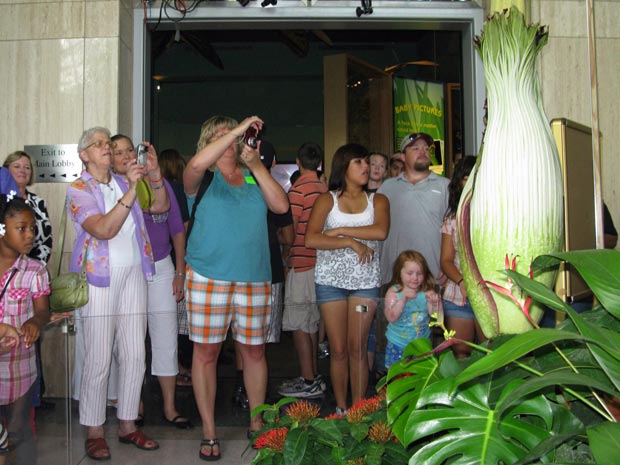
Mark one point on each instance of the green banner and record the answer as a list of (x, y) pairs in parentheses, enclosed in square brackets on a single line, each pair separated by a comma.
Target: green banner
[(419, 107)]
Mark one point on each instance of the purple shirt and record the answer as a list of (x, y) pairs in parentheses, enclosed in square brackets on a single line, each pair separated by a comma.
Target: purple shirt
[(84, 200), (17, 367), (161, 231)]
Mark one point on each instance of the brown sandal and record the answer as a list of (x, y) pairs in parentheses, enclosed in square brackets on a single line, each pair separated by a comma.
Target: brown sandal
[(138, 439), (97, 449)]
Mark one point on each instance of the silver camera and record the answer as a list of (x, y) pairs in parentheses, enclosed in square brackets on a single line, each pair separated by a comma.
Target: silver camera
[(142, 153)]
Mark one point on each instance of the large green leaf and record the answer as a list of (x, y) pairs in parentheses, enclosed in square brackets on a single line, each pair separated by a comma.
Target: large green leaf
[(470, 430), (295, 446), (603, 343), (327, 430), (605, 442), (374, 454), (406, 380), (600, 269), (565, 377), (512, 350)]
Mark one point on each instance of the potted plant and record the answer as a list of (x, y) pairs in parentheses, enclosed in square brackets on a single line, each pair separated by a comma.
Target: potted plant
[(541, 396), (295, 434)]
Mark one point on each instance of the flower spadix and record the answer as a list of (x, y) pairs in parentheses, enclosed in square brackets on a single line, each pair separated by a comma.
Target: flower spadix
[(512, 203)]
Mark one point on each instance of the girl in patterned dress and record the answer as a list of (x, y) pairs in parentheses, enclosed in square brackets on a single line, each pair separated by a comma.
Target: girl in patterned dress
[(409, 302)]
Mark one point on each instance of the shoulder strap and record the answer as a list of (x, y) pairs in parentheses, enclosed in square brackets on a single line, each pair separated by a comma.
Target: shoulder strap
[(61, 243), (204, 185)]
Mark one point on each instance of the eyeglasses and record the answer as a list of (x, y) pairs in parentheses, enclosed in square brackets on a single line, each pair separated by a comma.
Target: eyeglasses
[(99, 144), (127, 151)]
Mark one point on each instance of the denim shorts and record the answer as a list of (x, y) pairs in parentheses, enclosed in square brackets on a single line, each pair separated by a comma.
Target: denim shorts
[(458, 311), (326, 294)]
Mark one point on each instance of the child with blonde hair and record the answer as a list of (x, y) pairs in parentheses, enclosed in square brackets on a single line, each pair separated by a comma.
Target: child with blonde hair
[(409, 302)]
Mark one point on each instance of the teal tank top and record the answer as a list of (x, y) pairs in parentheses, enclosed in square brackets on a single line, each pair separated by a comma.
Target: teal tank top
[(412, 324), (229, 238)]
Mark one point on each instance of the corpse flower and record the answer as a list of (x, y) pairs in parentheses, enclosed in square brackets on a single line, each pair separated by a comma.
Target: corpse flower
[(512, 203)]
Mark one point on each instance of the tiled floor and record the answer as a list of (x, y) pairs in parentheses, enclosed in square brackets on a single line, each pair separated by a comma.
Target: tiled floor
[(176, 446)]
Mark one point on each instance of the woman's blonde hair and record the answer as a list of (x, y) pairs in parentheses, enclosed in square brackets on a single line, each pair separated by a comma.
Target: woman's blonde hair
[(211, 126), (11, 157)]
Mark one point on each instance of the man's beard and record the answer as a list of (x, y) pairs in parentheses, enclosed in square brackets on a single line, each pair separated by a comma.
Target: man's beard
[(421, 165)]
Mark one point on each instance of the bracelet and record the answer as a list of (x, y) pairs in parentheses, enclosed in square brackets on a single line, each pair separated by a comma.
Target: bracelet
[(460, 281), (180, 275), (157, 187), (120, 202), (156, 180)]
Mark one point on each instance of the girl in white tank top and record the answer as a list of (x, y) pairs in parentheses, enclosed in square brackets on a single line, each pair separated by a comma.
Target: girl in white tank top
[(342, 267), (345, 227)]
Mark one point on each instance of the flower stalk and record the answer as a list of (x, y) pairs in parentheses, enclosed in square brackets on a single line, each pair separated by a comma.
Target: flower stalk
[(512, 203)]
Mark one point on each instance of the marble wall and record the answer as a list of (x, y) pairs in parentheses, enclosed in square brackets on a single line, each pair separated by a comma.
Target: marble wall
[(565, 76), (66, 67)]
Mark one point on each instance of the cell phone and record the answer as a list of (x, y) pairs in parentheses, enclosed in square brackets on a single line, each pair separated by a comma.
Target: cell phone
[(251, 137), (142, 153)]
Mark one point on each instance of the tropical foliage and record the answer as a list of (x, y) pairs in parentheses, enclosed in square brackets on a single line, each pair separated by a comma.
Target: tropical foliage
[(295, 434), (539, 397)]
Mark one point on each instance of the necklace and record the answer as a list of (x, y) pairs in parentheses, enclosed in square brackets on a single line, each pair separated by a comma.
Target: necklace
[(107, 184), (230, 175)]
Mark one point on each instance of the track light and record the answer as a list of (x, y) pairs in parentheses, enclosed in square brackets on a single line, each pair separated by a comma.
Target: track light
[(365, 9), (265, 3), (244, 2)]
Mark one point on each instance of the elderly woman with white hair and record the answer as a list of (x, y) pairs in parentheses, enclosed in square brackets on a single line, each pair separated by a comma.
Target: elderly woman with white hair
[(112, 243)]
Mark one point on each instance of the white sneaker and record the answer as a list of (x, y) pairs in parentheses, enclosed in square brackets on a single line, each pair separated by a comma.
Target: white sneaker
[(291, 382), (303, 390)]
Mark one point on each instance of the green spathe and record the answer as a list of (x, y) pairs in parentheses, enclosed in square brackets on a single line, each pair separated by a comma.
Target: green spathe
[(512, 203)]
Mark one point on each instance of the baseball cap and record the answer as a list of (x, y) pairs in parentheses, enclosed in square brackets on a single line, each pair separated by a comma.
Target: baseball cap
[(267, 153), (413, 137)]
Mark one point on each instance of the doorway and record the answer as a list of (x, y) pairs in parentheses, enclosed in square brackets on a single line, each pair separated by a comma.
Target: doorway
[(225, 59)]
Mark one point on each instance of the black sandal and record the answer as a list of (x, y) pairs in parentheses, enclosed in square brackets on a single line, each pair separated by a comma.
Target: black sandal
[(210, 443)]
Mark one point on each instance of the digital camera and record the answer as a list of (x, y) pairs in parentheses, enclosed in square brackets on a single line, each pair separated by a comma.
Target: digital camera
[(251, 137), (142, 153)]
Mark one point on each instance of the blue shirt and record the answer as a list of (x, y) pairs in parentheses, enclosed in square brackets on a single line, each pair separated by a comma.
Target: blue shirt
[(7, 183), (229, 240), (412, 324)]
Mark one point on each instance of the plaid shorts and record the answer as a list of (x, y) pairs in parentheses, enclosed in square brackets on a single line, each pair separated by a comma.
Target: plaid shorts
[(182, 318), (213, 306)]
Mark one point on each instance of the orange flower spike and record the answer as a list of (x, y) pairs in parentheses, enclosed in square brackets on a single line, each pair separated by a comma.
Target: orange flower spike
[(356, 461), (380, 433), (303, 411)]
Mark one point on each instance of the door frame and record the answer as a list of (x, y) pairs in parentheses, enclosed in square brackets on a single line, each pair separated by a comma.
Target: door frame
[(466, 17)]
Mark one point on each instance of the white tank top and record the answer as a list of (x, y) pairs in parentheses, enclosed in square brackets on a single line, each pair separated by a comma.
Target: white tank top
[(341, 267)]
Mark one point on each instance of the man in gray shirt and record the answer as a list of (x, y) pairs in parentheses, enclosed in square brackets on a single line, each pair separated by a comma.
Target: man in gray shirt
[(418, 203)]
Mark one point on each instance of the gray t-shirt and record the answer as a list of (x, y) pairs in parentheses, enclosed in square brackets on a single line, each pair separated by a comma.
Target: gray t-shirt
[(416, 216)]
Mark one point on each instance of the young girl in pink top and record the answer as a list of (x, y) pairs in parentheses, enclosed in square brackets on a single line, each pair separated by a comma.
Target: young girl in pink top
[(24, 304)]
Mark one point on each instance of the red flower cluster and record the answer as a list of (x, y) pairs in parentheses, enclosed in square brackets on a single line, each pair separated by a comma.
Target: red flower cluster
[(273, 439), (303, 411), (364, 407)]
